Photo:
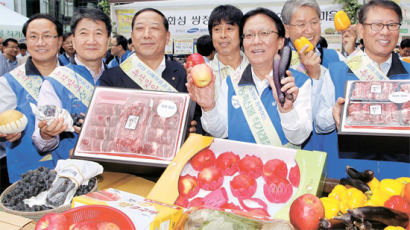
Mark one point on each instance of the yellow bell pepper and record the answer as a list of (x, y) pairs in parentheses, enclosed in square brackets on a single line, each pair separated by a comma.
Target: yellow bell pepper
[(331, 207), (391, 187), (339, 192), (403, 180), (302, 42), (356, 198), (394, 228), (341, 21), (374, 183), (378, 197)]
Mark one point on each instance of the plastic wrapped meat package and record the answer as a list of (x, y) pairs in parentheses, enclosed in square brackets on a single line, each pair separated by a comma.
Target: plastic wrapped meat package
[(124, 124), (377, 108)]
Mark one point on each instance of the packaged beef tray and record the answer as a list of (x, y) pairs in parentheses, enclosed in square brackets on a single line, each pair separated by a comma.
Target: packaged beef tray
[(135, 126), (376, 108)]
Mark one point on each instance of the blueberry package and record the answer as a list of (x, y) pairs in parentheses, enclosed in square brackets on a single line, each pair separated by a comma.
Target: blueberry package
[(131, 126), (376, 108)]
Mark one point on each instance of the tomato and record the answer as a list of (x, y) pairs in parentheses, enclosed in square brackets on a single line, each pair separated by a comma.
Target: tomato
[(275, 168), (227, 162), (182, 201), (278, 190), (230, 206), (294, 176), (188, 186), (250, 204), (197, 202), (243, 186), (210, 179), (216, 199), (203, 159), (251, 165), (194, 59), (398, 203)]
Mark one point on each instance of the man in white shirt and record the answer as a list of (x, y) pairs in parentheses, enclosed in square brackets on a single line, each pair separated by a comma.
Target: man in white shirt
[(91, 32)]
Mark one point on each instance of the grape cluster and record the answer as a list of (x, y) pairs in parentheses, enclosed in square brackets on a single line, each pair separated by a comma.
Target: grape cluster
[(76, 118), (31, 184)]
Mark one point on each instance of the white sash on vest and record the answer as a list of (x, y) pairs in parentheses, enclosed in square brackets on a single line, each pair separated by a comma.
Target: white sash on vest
[(75, 83), (363, 67), (258, 119), (30, 83), (144, 76)]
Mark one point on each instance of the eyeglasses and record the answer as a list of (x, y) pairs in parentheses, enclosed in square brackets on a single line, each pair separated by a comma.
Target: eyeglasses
[(380, 26), (45, 37), (302, 25), (262, 34)]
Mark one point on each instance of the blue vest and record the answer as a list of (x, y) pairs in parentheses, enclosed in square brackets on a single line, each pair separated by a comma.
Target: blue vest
[(73, 105), (340, 73), (238, 128), (64, 60), (22, 155), (115, 62), (316, 141)]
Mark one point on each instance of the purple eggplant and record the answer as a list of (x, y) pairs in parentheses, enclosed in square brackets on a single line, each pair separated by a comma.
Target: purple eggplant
[(280, 70)]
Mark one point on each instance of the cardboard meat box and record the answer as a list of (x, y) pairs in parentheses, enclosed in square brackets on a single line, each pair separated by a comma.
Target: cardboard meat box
[(376, 108), (134, 127), (13, 222), (205, 173), (144, 213)]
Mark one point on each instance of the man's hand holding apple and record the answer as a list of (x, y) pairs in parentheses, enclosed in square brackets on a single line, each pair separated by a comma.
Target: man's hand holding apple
[(200, 85)]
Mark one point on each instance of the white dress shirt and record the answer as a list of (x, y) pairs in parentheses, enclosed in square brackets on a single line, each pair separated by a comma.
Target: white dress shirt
[(48, 96), (296, 124)]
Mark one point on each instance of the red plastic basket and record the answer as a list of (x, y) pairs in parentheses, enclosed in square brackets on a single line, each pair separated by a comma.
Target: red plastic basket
[(99, 213)]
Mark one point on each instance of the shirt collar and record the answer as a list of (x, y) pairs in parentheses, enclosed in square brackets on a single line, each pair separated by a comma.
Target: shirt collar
[(161, 67), (31, 69), (94, 75), (215, 63)]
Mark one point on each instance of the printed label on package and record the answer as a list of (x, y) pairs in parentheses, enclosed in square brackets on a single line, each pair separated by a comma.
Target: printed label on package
[(375, 109), (376, 88), (132, 122), (166, 109)]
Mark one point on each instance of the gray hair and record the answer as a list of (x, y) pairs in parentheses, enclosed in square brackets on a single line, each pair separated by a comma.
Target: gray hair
[(291, 6)]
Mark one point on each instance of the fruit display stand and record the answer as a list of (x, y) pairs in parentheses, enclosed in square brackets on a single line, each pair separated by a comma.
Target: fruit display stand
[(170, 187)]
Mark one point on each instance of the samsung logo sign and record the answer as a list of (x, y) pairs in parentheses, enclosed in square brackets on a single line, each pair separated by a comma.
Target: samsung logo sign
[(192, 30)]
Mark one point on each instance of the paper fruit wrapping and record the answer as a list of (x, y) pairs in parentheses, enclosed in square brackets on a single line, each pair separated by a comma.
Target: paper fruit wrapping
[(12, 121), (239, 177)]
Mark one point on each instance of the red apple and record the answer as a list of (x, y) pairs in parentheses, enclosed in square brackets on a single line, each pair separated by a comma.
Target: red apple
[(201, 74), (107, 226), (210, 179), (306, 211), (194, 59), (188, 186), (52, 221)]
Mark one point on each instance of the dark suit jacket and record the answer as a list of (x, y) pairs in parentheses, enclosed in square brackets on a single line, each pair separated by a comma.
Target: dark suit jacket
[(174, 74)]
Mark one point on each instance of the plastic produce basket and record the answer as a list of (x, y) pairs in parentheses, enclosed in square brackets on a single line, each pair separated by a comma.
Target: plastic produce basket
[(99, 213)]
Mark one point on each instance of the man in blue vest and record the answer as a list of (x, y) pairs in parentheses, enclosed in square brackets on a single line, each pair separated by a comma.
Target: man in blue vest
[(379, 24), (68, 55), (21, 86), (91, 32), (119, 50), (302, 18)]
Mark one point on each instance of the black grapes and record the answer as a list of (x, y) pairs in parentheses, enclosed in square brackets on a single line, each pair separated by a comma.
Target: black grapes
[(31, 184)]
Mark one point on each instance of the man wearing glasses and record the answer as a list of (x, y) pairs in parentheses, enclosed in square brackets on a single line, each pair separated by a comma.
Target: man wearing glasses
[(71, 87), (119, 48), (20, 87), (379, 24)]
